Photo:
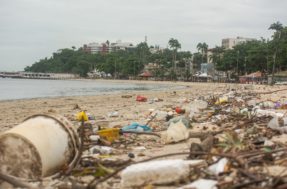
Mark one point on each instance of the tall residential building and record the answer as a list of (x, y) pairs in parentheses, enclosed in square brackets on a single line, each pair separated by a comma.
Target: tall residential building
[(95, 48), (119, 45), (229, 43), (107, 47)]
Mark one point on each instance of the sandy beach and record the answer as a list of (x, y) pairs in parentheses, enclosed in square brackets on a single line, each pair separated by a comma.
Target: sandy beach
[(15, 111), (129, 110)]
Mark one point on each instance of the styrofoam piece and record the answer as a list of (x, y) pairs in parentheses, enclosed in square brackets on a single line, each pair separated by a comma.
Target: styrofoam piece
[(201, 184), (101, 150), (94, 137), (157, 172), (139, 149), (273, 113), (113, 114), (218, 167)]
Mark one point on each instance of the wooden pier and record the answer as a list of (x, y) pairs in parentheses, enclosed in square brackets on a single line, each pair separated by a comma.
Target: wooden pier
[(35, 75)]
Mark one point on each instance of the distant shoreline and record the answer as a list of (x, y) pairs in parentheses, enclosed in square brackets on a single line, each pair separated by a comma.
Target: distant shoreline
[(70, 93), (23, 89)]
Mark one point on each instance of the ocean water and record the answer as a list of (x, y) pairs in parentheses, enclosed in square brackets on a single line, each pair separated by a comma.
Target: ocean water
[(11, 89)]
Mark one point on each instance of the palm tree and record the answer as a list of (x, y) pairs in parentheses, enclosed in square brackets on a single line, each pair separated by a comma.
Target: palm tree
[(216, 53), (278, 27), (175, 45), (202, 47)]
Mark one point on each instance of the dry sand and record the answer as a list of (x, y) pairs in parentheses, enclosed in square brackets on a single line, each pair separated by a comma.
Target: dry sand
[(15, 111), (129, 110)]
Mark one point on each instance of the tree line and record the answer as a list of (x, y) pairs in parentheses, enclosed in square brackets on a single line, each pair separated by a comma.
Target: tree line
[(265, 55), (120, 64)]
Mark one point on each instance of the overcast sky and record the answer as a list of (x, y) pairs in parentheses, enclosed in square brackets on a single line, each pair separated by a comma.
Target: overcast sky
[(34, 29)]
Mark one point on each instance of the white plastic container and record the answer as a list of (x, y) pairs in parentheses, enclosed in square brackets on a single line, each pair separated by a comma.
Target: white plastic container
[(40, 146)]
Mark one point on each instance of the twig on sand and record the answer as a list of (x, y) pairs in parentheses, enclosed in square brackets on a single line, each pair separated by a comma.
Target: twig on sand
[(15, 181), (245, 184), (270, 92), (141, 133), (256, 153)]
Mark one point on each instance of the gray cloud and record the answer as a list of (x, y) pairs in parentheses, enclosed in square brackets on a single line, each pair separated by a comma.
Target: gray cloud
[(33, 29)]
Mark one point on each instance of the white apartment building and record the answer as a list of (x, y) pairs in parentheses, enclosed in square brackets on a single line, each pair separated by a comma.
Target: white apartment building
[(229, 43), (94, 48), (107, 47), (156, 49), (119, 45)]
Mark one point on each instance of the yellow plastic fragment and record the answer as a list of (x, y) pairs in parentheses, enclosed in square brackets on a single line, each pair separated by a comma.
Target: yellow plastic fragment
[(110, 135), (222, 100), (82, 116)]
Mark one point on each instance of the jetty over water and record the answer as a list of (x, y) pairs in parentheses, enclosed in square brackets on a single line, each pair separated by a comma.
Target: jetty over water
[(37, 75)]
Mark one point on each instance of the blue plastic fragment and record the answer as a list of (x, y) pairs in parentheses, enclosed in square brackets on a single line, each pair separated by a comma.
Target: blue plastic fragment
[(137, 127)]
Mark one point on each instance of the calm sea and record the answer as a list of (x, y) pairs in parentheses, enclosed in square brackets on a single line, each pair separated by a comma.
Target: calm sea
[(32, 88)]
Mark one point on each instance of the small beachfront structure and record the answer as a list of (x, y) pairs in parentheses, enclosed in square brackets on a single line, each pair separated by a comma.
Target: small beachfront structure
[(253, 78)]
